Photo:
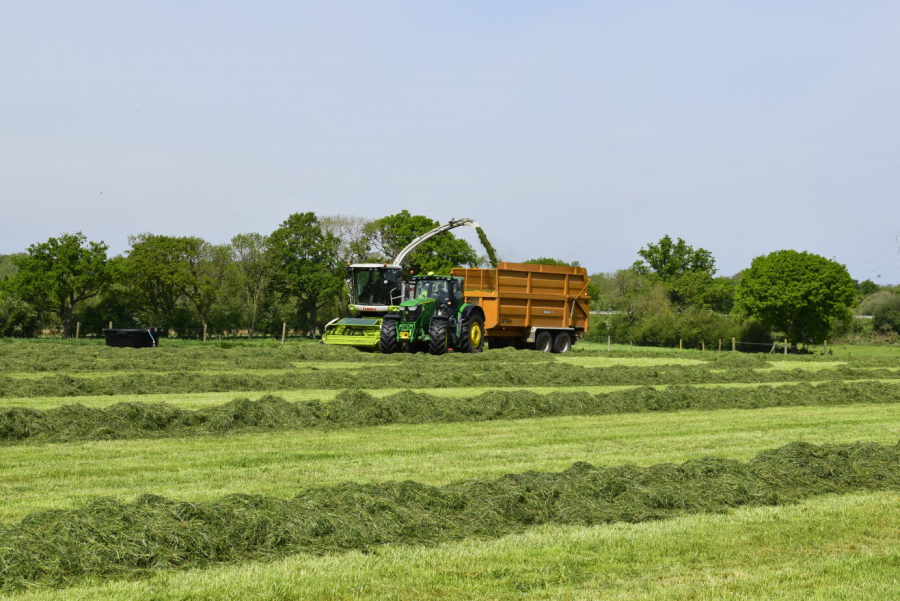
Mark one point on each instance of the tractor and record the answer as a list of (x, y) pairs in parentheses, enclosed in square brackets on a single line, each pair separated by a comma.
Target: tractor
[(435, 320)]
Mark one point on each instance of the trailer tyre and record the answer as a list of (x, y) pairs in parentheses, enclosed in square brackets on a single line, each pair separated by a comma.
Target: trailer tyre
[(543, 341), (388, 342), (439, 335), (471, 335), (562, 342)]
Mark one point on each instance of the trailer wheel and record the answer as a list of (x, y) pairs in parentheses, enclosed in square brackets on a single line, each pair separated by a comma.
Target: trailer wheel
[(439, 335), (544, 341), (471, 335), (562, 342), (388, 341)]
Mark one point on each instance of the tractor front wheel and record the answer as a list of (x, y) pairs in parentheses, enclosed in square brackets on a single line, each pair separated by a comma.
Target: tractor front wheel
[(471, 335), (388, 340), (439, 334)]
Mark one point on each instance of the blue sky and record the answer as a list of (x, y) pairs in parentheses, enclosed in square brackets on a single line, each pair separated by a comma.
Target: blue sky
[(578, 130)]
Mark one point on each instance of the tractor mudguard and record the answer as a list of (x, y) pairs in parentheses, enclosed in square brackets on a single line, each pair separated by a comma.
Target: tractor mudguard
[(464, 312)]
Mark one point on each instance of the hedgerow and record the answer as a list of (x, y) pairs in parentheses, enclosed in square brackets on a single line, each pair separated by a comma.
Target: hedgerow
[(107, 538)]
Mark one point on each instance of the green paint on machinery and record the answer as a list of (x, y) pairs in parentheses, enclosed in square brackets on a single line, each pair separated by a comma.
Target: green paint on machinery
[(435, 320), (376, 289)]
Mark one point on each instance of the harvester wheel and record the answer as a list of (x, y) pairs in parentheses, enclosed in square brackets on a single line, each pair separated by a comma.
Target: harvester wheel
[(471, 335), (388, 340), (544, 341), (439, 335), (562, 342)]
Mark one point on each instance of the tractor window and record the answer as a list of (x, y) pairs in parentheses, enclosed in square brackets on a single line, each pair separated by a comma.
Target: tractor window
[(436, 289)]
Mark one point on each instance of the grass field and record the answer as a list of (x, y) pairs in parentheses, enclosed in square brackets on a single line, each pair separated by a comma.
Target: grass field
[(833, 546)]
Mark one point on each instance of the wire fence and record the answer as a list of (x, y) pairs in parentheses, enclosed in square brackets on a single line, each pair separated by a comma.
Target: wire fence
[(96, 331), (722, 345)]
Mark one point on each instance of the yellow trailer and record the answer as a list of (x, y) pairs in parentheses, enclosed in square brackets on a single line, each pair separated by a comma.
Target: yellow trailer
[(546, 307)]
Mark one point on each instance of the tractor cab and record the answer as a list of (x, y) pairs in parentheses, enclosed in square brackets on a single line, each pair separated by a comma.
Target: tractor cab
[(374, 287), (447, 291)]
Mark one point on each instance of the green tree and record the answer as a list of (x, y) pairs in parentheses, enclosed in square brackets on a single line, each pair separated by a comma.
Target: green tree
[(7, 266), (356, 245), (670, 260), (251, 275), (208, 268), (866, 288), (307, 267), (886, 316), (54, 276), (17, 318), (389, 235), (687, 273), (798, 293), (157, 274)]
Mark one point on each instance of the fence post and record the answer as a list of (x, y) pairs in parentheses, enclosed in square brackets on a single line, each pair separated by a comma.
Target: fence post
[(680, 344), (77, 329), (608, 343), (720, 344), (733, 343), (204, 332), (785, 346), (283, 331), (825, 352), (110, 325), (703, 346)]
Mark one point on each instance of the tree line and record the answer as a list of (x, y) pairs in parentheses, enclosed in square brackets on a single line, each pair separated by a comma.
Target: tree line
[(672, 293), (294, 275)]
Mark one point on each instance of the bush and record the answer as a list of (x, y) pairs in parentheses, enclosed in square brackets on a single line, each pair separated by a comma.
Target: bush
[(886, 316)]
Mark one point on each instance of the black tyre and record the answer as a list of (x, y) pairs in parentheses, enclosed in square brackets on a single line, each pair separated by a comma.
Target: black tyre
[(562, 342), (388, 342), (543, 341), (440, 336), (471, 335)]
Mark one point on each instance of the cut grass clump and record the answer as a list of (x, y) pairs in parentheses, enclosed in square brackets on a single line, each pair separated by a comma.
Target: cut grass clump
[(109, 539), (354, 408)]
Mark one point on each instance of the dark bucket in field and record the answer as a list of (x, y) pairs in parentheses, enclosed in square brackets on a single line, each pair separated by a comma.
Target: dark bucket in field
[(147, 337)]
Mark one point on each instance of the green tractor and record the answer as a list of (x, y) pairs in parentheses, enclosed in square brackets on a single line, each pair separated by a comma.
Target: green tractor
[(436, 319)]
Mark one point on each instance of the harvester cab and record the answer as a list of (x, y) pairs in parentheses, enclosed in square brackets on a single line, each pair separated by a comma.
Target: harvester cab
[(435, 319)]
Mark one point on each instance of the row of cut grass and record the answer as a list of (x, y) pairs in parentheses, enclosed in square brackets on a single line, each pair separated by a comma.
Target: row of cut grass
[(198, 400), (356, 408), (449, 375), (111, 539), (279, 463), (830, 547)]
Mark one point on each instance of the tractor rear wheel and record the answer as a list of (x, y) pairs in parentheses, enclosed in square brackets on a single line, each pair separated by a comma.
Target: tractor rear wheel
[(439, 334), (543, 341), (388, 342), (471, 335)]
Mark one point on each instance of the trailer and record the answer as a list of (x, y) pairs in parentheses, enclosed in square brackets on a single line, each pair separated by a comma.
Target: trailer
[(543, 307)]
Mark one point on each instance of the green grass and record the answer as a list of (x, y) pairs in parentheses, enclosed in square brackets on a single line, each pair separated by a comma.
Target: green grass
[(198, 400), (832, 547), (200, 468), (841, 547)]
